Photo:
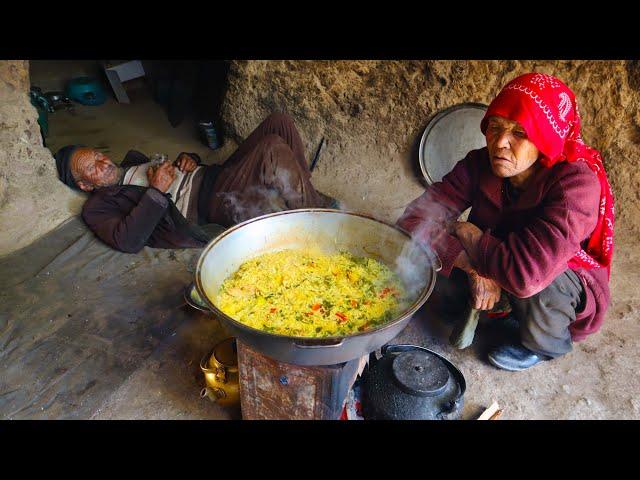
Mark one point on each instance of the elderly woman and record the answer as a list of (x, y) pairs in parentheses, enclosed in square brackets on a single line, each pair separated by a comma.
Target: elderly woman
[(540, 227)]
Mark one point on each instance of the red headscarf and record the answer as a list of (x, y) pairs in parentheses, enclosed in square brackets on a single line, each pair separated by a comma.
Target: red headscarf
[(547, 110)]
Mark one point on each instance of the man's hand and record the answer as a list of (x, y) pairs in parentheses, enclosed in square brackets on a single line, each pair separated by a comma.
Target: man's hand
[(484, 291), (161, 177), (468, 234), (185, 163)]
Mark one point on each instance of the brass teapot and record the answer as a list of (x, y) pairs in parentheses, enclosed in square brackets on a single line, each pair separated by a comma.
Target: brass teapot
[(220, 368)]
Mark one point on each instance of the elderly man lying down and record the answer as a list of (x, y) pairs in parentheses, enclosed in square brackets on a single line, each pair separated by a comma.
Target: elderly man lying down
[(140, 204)]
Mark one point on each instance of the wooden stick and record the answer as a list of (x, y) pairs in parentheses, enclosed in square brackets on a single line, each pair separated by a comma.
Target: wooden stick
[(496, 415), (489, 412)]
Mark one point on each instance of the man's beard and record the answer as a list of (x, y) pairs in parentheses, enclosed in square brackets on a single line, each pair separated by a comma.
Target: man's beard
[(115, 179)]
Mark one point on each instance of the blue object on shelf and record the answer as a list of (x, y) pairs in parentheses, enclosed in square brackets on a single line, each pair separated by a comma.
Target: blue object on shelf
[(209, 134), (86, 90)]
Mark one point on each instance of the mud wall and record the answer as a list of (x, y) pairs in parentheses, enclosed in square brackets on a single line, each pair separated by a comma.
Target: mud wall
[(372, 114), (32, 200)]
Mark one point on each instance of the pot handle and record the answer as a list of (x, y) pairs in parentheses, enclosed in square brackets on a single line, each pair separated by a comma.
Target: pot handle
[(437, 263), (191, 302), (323, 345), (449, 407)]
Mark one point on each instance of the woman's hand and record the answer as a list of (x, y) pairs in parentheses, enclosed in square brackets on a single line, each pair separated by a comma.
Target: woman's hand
[(463, 262), (468, 234), (185, 163), (485, 293)]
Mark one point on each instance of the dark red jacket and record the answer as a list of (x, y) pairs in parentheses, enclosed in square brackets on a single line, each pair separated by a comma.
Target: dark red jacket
[(527, 242)]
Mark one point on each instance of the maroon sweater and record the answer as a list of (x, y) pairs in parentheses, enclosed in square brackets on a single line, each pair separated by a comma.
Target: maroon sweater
[(527, 241)]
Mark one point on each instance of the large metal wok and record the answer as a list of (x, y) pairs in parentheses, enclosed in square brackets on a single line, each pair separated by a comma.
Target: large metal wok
[(331, 231)]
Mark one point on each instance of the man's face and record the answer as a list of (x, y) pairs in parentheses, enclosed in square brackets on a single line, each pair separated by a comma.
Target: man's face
[(510, 151), (92, 169)]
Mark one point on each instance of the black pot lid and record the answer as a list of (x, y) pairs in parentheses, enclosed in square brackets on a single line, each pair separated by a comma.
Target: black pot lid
[(449, 136), (420, 373)]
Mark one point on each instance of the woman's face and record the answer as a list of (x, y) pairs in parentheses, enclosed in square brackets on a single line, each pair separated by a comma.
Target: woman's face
[(510, 151)]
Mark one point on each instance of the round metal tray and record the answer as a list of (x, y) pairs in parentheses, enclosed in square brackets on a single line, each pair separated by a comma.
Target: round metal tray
[(448, 137)]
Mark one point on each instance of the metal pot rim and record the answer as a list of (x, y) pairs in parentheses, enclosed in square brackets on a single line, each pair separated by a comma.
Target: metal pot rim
[(329, 341)]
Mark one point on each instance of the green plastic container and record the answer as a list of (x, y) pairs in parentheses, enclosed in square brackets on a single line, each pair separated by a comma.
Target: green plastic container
[(42, 105)]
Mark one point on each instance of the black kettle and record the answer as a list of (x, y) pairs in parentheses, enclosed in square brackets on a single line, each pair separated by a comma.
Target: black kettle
[(409, 382)]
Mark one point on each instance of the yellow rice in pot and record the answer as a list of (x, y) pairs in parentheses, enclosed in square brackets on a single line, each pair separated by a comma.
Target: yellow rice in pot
[(305, 294)]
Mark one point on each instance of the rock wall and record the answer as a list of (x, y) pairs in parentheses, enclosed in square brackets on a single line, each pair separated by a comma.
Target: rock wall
[(32, 200), (372, 114)]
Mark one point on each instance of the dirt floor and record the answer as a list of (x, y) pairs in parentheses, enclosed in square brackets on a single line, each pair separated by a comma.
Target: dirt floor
[(598, 380)]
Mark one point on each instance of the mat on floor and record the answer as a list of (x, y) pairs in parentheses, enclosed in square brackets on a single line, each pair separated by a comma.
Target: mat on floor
[(77, 318)]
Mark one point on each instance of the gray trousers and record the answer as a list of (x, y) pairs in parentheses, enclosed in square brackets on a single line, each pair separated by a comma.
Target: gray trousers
[(544, 318)]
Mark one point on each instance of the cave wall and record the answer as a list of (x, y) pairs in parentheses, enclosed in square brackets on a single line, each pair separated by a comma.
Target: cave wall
[(373, 113), (32, 199)]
